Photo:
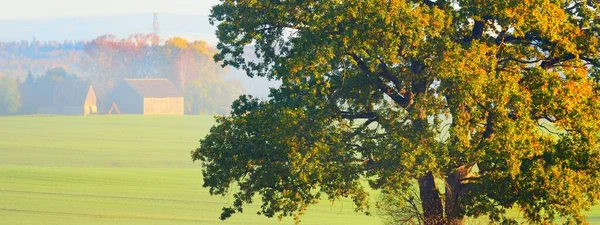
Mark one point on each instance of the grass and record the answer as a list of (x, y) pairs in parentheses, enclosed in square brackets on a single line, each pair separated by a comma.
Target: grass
[(124, 170), (119, 170), (101, 141)]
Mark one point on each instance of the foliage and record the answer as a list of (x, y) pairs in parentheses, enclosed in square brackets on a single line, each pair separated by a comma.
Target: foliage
[(56, 75), (18, 57), (10, 97), (404, 90), (29, 90), (209, 98), (191, 61)]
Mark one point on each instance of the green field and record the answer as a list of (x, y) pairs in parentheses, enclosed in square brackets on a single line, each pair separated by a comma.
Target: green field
[(123, 170), (119, 170)]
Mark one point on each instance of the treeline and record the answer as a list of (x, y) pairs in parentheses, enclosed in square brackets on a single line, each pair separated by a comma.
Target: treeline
[(107, 60), (38, 50), (17, 58)]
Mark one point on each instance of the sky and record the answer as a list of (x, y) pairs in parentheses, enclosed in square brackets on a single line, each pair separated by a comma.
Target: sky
[(57, 20), (39, 9)]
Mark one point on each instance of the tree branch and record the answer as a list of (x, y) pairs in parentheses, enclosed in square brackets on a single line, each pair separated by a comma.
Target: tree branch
[(429, 3), (478, 28), (387, 75), (381, 85), (546, 64), (528, 37), (275, 26), (368, 115), (489, 129), (519, 60)]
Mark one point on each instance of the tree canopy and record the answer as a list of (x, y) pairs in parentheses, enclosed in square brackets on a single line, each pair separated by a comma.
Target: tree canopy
[(497, 100), (55, 75)]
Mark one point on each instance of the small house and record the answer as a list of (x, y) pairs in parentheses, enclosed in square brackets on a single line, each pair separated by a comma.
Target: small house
[(155, 96)]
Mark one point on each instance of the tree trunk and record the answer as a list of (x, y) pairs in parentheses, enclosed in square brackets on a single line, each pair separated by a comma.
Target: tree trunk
[(433, 213), (455, 220), (454, 189)]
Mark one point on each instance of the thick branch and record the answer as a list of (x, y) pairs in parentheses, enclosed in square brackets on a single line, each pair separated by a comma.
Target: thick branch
[(489, 129), (546, 64), (478, 29), (394, 95), (381, 84), (387, 75)]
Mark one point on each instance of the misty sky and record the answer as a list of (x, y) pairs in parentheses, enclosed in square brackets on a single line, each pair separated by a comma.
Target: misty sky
[(35, 9), (56, 20)]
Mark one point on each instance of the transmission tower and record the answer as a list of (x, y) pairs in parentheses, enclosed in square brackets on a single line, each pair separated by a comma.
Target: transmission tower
[(156, 24)]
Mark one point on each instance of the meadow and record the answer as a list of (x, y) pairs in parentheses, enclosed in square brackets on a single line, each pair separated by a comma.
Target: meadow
[(125, 170), (120, 170)]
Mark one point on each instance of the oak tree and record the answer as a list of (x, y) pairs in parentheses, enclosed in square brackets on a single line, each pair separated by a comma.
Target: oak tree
[(496, 102)]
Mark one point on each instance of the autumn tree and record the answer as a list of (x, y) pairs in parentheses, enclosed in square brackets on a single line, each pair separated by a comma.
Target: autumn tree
[(182, 59), (189, 65), (103, 65), (496, 101), (190, 61), (140, 55), (10, 97)]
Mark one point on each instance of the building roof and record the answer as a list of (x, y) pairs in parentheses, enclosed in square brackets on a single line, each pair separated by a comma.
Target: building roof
[(154, 88), (67, 93)]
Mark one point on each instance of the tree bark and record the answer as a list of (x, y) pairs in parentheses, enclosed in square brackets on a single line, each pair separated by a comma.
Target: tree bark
[(433, 212), (454, 189)]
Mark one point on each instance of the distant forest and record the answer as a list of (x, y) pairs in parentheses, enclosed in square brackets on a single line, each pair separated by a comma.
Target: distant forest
[(107, 60), (19, 57)]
